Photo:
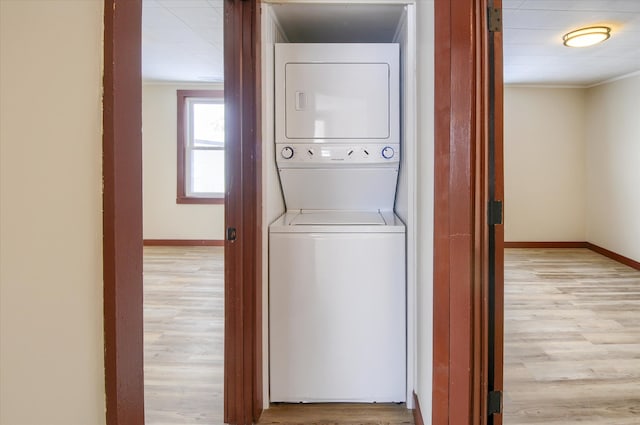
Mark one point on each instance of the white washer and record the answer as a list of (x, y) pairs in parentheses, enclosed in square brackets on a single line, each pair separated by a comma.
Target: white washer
[(337, 307)]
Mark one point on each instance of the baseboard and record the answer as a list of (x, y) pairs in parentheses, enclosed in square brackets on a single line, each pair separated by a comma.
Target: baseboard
[(546, 245), (595, 248), (183, 242), (614, 256), (417, 414)]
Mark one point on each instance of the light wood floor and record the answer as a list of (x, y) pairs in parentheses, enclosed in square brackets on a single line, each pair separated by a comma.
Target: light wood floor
[(572, 343), (572, 339), (183, 335), (337, 414)]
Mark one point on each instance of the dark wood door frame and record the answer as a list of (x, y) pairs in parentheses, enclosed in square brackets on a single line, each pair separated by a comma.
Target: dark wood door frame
[(460, 250), (122, 217), (495, 95), (461, 229), (122, 213), (243, 271)]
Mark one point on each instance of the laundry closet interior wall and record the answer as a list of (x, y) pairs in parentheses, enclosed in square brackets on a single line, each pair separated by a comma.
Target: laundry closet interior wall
[(351, 22)]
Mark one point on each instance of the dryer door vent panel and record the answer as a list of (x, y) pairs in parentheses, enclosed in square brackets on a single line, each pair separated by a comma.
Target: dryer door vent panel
[(337, 93), (337, 100)]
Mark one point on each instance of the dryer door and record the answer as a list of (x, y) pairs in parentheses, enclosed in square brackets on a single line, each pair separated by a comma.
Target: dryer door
[(337, 101)]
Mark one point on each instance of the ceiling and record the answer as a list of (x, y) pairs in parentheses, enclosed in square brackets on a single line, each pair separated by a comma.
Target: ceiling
[(182, 39), (533, 50)]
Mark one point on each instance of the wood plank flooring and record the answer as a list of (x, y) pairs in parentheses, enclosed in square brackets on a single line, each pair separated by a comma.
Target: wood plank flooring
[(183, 338), (572, 339), (183, 335), (572, 343), (337, 414)]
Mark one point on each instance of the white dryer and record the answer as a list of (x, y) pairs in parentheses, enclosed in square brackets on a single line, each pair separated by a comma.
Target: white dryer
[(337, 298)]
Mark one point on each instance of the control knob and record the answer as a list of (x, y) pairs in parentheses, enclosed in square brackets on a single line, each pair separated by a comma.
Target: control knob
[(388, 152), (287, 152)]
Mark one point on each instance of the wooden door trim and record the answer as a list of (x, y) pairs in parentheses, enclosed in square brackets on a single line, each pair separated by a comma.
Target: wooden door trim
[(122, 213), (441, 265), (122, 219), (496, 303), (460, 216), (243, 274)]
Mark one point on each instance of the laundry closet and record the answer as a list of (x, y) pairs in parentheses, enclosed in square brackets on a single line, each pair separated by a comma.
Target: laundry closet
[(339, 173)]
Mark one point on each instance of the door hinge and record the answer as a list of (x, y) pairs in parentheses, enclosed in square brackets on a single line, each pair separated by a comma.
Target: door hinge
[(232, 234), (494, 402), (494, 16), (495, 212)]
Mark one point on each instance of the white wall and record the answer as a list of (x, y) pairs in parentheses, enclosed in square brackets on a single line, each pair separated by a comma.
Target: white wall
[(544, 156), (405, 203), (51, 346), (425, 182), (613, 166), (272, 201), (162, 217)]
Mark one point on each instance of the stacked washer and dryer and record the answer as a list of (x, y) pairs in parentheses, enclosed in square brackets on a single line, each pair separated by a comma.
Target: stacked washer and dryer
[(337, 297)]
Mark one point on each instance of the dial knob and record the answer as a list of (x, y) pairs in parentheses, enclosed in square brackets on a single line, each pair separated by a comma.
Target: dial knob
[(388, 152), (287, 152)]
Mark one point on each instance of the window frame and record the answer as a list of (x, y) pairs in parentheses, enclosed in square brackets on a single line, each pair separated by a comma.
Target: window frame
[(184, 96)]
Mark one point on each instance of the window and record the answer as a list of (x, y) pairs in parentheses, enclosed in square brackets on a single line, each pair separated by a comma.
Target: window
[(200, 147)]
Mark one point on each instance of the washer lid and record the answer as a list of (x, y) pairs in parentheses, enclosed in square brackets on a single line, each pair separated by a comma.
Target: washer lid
[(338, 217), (385, 222)]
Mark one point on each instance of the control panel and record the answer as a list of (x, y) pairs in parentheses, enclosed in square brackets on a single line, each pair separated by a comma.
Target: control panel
[(337, 154)]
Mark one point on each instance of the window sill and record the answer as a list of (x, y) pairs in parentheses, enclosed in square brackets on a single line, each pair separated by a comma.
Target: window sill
[(196, 200)]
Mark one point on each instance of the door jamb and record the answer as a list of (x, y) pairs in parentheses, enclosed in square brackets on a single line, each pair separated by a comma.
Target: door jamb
[(460, 213), (122, 213), (243, 211)]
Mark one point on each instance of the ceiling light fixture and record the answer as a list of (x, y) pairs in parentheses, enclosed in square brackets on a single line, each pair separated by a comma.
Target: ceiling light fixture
[(585, 37)]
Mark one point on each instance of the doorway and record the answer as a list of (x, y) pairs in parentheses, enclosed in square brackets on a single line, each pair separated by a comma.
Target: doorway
[(183, 211), (458, 396), (123, 213), (553, 315)]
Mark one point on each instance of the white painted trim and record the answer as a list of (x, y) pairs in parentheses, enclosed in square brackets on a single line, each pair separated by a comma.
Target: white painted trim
[(409, 126), (611, 80), (575, 86), (267, 60), (411, 88), (339, 1), (206, 85), (545, 86), (271, 32)]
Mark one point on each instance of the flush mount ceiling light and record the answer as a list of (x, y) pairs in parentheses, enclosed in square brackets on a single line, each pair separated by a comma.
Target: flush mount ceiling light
[(585, 37)]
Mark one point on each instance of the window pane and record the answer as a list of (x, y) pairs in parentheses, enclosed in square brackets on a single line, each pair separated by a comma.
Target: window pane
[(208, 124), (207, 171)]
